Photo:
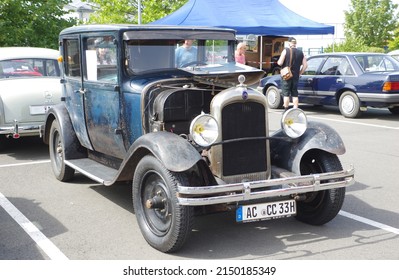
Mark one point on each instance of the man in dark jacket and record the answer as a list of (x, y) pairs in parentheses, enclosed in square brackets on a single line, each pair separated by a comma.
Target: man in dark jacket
[(298, 66)]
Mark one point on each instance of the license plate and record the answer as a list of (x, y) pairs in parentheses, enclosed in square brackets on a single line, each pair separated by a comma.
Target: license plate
[(265, 211), (39, 109)]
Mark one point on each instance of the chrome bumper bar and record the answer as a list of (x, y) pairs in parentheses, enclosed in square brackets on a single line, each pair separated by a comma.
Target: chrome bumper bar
[(17, 130), (246, 191)]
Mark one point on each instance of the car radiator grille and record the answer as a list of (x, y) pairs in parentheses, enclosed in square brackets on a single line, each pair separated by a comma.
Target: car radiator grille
[(241, 120)]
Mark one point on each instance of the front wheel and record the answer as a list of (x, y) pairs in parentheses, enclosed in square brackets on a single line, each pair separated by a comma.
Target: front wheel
[(164, 223), (320, 207), (57, 154), (274, 98)]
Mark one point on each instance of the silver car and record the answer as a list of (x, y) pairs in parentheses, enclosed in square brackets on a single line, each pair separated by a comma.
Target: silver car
[(29, 86)]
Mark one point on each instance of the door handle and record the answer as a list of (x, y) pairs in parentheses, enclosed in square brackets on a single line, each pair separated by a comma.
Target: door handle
[(339, 80), (82, 91), (310, 80)]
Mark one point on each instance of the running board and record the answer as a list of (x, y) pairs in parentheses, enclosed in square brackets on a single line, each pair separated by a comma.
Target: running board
[(96, 171)]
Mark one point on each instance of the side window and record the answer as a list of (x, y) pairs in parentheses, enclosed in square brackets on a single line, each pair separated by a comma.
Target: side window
[(313, 65), (72, 58), (101, 60), (344, 68), (331, 66)]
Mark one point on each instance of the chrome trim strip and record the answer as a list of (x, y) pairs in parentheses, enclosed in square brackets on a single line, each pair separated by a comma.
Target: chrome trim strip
[(194, 196)]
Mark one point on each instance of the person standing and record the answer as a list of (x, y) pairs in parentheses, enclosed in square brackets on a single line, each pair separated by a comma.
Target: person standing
[(298, 66), (185, 54), (239, 54)]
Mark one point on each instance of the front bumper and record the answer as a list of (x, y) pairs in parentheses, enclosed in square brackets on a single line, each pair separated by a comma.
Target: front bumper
[(246, 191)]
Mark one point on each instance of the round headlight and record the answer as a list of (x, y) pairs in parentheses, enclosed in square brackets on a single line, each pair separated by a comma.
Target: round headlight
[(294, 122), (204, 130)]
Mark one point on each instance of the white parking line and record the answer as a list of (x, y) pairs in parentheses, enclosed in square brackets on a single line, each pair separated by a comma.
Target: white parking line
[(41, 240), (369, 222), (353, 122), (24, 163)]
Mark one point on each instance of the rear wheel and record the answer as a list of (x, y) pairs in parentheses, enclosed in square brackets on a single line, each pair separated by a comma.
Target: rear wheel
[(394, 110), (163, 222), (57, 154), (274, 98), (320, 207)]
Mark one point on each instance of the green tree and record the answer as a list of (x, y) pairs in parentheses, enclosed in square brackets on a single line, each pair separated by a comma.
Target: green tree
[(126, 11), (394, 43), (34, 23), (371, 21)]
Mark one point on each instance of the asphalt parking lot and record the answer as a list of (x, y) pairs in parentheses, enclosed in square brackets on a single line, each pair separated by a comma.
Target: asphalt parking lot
[(42, 218)]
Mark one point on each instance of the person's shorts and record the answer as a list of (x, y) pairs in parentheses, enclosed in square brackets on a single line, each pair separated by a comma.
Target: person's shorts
[(290, 87)]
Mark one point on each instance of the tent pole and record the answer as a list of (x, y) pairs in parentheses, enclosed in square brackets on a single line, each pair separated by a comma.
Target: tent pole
[(261, 53)]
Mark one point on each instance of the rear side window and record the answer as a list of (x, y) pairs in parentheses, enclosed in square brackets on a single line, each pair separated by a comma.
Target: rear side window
[(71, 58), (336, 66)]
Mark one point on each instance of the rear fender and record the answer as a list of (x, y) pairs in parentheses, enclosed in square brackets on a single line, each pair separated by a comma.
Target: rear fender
[(287, 153), (73, 149)]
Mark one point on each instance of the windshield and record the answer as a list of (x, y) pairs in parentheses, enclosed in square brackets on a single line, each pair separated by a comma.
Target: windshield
[(373, 63), (144, 55)]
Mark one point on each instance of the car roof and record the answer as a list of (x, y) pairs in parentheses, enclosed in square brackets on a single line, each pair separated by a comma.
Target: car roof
[(348, 53), (395, 52), (152, 31), (27, 52)]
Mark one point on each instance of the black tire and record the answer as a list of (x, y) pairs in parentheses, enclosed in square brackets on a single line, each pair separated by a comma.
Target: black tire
[(320, 207), (274, 98), (167, 227), (394, 110), (349, 105), (61, 171)]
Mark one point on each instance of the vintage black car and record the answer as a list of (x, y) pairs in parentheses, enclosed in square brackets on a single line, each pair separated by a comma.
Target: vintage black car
[(191, 139)]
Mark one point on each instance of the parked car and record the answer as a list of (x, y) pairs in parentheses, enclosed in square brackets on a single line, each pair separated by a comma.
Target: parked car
[(353, 81), (191, 140), (29, 86), (394, 54)]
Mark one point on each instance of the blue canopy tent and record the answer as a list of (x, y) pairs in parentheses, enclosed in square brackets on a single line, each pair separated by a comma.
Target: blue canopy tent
[(260, 17)]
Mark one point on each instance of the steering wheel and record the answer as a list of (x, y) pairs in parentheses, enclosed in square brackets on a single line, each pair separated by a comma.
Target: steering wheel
[(195, 62)]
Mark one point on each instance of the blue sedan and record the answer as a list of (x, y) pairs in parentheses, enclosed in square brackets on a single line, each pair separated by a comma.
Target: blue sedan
[(352, 81)]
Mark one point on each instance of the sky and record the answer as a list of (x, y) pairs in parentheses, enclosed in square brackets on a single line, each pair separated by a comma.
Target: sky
[(322, 11)]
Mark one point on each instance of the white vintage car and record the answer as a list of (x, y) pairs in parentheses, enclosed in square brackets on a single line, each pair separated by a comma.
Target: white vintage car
[(29, 85)]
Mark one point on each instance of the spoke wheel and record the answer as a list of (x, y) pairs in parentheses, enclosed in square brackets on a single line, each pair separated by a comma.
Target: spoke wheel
[(320, 207), (57, 154), (163, 222)]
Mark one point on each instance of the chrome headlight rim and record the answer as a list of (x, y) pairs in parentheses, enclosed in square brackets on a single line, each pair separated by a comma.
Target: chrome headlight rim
[(204, 130), (294, 123)]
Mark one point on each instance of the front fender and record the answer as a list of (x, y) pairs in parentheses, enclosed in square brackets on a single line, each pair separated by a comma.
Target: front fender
[(287, 153), (176, 153)]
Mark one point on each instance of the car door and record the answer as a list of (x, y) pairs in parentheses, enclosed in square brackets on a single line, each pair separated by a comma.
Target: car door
[(330, 79), (306, 81), (101, 95), (72, 87)]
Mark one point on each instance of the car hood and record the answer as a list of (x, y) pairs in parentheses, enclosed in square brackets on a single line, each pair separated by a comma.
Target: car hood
[(225, 75)]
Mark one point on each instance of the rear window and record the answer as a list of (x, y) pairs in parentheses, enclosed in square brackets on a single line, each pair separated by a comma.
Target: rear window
[(29, 67)]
